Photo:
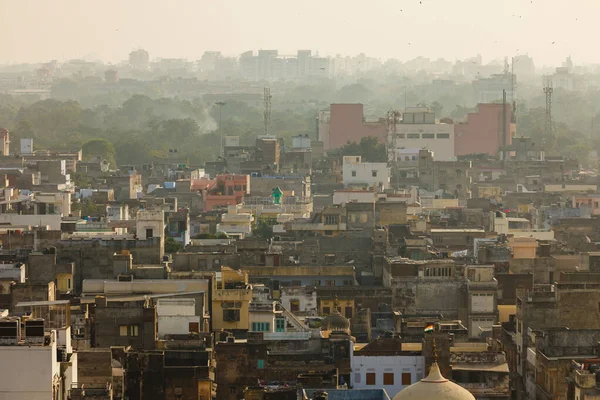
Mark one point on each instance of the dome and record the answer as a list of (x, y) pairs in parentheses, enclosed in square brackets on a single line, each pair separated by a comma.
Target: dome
[(335, 322), (435, 386)]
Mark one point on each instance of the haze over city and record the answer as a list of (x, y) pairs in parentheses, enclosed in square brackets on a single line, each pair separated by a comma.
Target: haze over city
[(548, 30)]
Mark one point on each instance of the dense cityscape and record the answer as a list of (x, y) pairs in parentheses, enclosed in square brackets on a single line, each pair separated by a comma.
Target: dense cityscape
[(301, 226)]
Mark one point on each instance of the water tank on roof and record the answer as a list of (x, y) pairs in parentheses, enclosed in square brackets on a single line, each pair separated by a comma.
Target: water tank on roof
[(10, 331), (34, 331)]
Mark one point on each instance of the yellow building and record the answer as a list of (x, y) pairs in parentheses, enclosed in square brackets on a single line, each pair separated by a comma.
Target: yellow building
[(344, 307), (64, 282), (523, 247), (230, 300)]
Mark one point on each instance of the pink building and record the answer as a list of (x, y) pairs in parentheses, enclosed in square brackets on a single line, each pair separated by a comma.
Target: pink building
[(228, 190), (590, 200), (347, 123), (483, 131)]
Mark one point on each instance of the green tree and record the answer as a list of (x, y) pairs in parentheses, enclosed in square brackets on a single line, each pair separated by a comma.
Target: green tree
[(99, 148), (369, 148), (172, 246), (264, 228)]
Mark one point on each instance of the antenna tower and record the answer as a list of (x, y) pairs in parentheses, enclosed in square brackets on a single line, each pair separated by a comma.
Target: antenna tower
[(548, 90), (393, 117), (267, 110)]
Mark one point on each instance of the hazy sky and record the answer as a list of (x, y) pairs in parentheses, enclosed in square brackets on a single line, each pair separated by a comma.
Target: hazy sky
[(41, 30)]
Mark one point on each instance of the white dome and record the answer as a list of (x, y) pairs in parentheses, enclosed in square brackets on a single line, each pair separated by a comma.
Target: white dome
[(434, 387)]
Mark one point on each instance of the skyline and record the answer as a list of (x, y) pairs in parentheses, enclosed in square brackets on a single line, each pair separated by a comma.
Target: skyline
[(403, 30)]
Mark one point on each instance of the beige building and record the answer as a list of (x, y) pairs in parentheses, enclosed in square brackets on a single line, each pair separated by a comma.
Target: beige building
[(231, 298)]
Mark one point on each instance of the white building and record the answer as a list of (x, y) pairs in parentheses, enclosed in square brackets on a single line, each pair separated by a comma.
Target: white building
[(365, 174), (29, 371), (354, 196), (418, 130), (390, 372), (150, 224), (300, 300), (176, 317)]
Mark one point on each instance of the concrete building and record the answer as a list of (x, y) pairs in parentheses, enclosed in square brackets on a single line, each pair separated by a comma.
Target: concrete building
[(385, 364), (5, 141), (418, 130), (231, 299), (482, 292), (485, 131), (365, 174), (490, 90), (346, 123), (236, 224), (30, 367), (177, 317)]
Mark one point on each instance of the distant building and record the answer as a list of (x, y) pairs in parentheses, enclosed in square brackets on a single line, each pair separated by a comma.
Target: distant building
[(490, 90), (346, 123), (484, 131), (419, 130), (139, 59), (4, 142), (358, 173)]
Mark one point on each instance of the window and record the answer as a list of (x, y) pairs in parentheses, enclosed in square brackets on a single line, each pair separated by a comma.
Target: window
[(357, 377), (414, 158), (231, 315), (348, 312), (129, 330), (348, 282), (279, 325), (400, 136), (330, 283), (149, 233), (374, 173), (194, 327), (406, 379), (260, 364), (326, 310), (331, 220), (406, 158), (315, 282), (261, 327), (428, 136), (353, 173), (443, 136), (388, 378), (294, 305), (413, 136), (370, 378)]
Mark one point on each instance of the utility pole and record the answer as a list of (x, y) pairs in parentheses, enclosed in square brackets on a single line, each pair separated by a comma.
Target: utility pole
[(220, 104)]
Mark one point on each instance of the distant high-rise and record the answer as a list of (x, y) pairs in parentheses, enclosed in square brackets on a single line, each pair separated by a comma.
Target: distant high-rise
[(139, 59), (5, 141)]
